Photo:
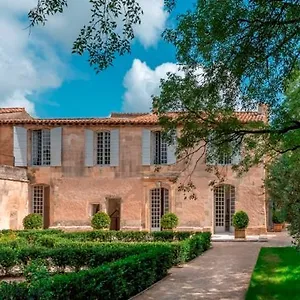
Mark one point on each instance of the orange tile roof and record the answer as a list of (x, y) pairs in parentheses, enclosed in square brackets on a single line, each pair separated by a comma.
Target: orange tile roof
[(8, 110), (118, 119)]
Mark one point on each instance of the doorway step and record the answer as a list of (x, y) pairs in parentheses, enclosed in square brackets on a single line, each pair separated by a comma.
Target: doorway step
[(229, 237)]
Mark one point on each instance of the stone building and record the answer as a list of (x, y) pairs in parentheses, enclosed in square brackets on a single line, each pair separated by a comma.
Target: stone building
[(68, 169)]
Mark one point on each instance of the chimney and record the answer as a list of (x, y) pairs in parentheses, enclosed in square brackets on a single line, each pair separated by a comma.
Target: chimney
[(264, 110)]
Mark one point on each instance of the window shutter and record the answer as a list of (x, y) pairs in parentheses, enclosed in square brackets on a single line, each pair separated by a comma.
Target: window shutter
[(146, 147), (171, 152), (20, 146), (55, 144), (114, 147), (89, 148)]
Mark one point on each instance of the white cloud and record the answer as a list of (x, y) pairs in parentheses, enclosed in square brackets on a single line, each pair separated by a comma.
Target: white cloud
[(28, 63), (65, 27), (141, 82), (153, 22), (32, 64)]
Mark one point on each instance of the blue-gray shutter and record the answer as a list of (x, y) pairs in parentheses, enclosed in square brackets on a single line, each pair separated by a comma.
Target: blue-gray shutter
[(55, 144), (20, 146), (114, 147), (89, 148), (146, 147), (171, 151)]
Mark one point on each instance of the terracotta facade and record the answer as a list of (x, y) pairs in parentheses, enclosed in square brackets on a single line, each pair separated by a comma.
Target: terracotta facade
[(72, 190)]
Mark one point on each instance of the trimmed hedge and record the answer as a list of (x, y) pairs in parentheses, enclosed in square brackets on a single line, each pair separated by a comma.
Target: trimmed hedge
[(72, 255), (120, 279), (127, 236)]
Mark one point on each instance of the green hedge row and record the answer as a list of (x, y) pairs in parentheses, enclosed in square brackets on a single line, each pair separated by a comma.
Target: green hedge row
[(71, 256), (117, 280), (127, 236)]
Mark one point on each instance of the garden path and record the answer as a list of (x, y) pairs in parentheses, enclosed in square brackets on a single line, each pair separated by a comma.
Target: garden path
[(222, 272)]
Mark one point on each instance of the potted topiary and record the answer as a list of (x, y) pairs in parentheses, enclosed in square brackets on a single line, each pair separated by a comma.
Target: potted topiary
[(101, 220), (169, 221), (277, 218), (240, 222), (33, 221)]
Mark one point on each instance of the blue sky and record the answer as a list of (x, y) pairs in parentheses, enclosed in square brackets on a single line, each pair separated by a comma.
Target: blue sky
[(38, 71)]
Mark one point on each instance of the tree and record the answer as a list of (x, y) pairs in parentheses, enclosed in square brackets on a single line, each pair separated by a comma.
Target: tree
[(235, 54), (283, 188)]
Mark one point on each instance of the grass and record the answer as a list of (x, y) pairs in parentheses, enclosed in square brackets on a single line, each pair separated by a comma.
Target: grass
[(276, 275)]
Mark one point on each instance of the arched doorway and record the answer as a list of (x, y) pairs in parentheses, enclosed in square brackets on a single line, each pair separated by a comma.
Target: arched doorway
[(159, 199), (224, 206)]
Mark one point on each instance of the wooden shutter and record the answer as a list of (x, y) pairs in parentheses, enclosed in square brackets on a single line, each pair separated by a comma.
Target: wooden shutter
[(114, 147), (20, 146), (146, 147), (55, 145), (89, 148)]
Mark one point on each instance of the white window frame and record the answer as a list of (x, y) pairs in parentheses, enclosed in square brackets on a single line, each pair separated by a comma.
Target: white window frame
[(103, 158), (45, 145), (159, 148)]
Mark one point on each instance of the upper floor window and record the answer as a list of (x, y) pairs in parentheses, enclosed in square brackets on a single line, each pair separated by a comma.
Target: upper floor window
[(160, 148), (103, 148), (225, 158), (41, 147), (222, 157), (156, 150)]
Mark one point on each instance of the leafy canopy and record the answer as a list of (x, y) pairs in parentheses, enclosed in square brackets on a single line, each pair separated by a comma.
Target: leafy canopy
[(235, 55)]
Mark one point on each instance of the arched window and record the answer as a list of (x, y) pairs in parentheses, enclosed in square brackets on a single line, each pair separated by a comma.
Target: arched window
[(159, 200)]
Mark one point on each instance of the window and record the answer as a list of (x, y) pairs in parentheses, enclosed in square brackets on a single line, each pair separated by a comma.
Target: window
[(225, 158), (160, 148), (41, 150), (231, 155), (159, 206), (38, 200), (103, 148), (94, 208)]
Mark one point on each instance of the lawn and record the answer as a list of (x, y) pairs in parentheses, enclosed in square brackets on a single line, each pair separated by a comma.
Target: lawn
[(276, 275)]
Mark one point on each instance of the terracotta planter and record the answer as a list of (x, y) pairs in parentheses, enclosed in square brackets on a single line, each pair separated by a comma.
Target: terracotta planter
[(239, 233), (277, 227)]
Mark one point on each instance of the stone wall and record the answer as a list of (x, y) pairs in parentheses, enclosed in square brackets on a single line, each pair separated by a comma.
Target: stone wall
[(74, 187), (13, 197)]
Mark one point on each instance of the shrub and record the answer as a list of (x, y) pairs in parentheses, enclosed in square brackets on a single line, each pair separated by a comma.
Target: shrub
[(190, 248), (169, 221), (278, 217), (118, 280), (240, 220), (33, 221), (139, 267), (100, 220)]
